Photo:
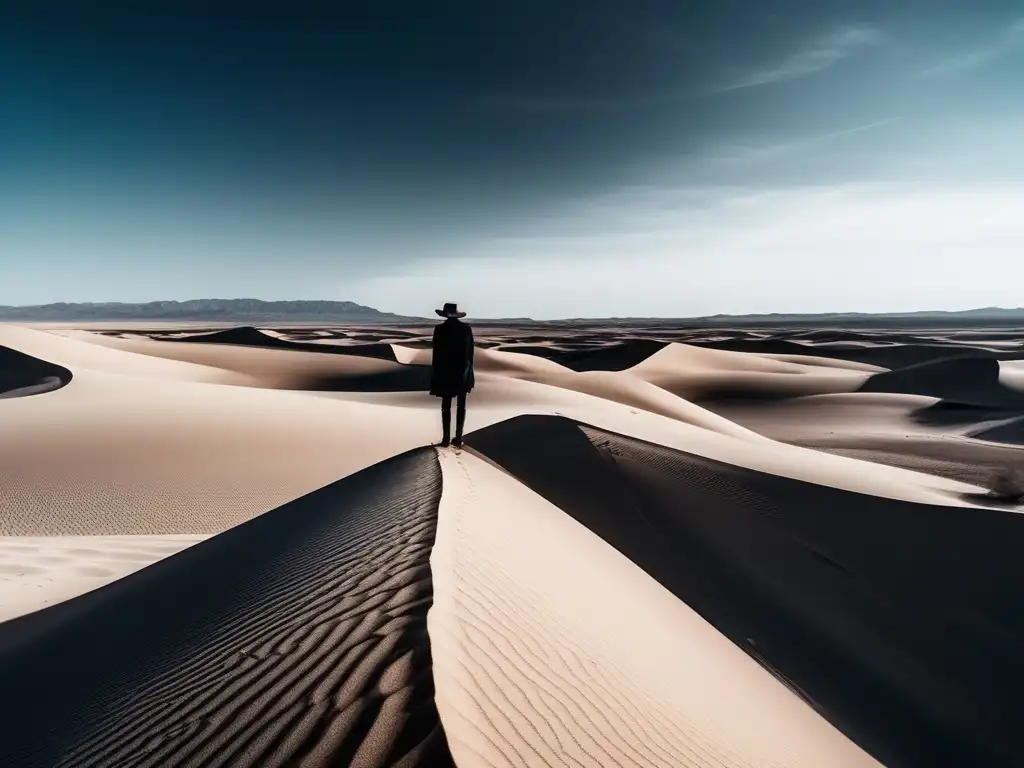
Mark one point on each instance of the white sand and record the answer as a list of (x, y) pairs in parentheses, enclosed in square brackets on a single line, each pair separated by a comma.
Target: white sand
[(693, 372), (551, 648), (138, 444), (37, 571)]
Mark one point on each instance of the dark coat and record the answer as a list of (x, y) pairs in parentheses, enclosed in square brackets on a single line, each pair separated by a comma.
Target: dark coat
[(451, 366)]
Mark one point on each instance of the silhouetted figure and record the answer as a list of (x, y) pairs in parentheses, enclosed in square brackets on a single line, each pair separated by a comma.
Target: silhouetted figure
[(451, 373)]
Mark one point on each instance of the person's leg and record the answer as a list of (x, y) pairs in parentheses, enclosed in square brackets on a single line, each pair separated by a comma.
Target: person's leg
[(460, 417), (446, 420)]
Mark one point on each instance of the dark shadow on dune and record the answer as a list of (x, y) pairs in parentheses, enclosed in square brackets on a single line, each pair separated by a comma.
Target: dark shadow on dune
[(968, 381), (410, 378), (881, 353), (253, 337), (830, 336), (297, 637), (950, 413), (1010, 432), (992, 424), (903, 624), (22, 375), (610, 357)]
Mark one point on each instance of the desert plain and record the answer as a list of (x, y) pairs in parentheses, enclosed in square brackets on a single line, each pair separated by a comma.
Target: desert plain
[(660, 546)]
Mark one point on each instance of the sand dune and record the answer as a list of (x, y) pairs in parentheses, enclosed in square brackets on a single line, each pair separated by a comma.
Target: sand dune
[(884, 352), (77, 356), (924, 673), (1010, 431), (759, 557), (113, 454), (283, 367), (22, 375), (550, 648), (254, 337), (694, 373), (613, 357), (837, 416), (298, 638), (971, 380), (629, 391), (38, 571), (1011, 374)]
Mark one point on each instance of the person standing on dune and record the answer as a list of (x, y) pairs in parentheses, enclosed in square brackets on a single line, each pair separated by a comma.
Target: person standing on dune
[(451, 370)]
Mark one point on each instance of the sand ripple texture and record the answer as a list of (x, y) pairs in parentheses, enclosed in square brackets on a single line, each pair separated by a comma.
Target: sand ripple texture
[(552, 649), (298, 638), (899, 622)]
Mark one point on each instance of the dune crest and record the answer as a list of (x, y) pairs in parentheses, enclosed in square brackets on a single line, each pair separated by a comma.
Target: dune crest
[(298, 638), (77, 356), (695, 373), (22, 375), (550, 648), (661, 547), (39, 571), (817, 584)]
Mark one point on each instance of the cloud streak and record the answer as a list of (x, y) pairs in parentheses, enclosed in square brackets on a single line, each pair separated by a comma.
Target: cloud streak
[(1009, 39), (669, 257), (816, 55), (751, 154)]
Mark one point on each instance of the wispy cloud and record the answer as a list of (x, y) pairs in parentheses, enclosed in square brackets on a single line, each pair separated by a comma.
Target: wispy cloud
[(1009, 39), (749, 154), (816, 55), (665, 256)]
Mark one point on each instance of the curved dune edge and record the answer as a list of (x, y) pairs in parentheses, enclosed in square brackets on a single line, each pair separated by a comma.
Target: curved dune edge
[(895, 618), (250, 336), (499, 398), (884, 351), (696, 373), (23, 375), (762, 455), (27, 387), (132, 450), (839, 417), (611, 357), (117, 454), (298, 638), (78, 356), (122, 455), (551, 648), (625, 388), (970, 380), (283, 367), (39, 571)]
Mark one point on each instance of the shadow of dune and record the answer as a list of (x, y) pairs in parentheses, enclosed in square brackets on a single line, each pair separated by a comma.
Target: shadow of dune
[(22, 375), (968, 381), (297, 637), (900, 623), (884, 355), (411, 378), (253, 337), (611, 357)]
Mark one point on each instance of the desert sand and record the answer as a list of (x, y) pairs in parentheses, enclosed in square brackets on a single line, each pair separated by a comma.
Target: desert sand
[(660, 547)]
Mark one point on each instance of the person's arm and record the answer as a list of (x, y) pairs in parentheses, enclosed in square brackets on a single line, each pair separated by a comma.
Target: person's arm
[(433, 349), (469, 343)]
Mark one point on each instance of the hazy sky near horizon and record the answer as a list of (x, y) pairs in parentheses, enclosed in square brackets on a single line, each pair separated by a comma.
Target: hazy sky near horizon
[(544, 159)]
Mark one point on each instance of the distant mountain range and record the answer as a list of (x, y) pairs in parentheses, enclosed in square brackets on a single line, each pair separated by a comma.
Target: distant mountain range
[(248, 311), (971, 317), (212, 310)]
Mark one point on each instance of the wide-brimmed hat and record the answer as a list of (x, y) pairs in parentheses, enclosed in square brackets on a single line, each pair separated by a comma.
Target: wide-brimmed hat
[(450, 310)]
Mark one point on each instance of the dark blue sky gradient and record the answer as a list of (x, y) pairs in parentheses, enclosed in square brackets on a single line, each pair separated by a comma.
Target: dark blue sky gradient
[(300, 150)]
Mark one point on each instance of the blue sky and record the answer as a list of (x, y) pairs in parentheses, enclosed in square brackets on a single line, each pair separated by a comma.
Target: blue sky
[(594, 159)]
